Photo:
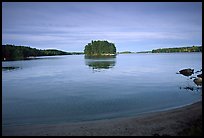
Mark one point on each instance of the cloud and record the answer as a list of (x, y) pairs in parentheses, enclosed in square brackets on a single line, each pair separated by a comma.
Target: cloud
[(76, 24)]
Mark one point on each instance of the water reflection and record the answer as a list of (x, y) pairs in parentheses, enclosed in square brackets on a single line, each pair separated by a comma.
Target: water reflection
[(9, 68), (100, 62)]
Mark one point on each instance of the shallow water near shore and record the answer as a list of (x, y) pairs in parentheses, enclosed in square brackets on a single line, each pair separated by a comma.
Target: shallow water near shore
[(74, 88)]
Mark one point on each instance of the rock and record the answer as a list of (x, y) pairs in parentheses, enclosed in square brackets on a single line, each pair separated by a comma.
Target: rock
[(198, 81), (9, 68), (186, 72), (200, 75), (198, 71)]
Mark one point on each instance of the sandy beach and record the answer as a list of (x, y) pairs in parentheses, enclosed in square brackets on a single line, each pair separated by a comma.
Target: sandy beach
[(169, 122)]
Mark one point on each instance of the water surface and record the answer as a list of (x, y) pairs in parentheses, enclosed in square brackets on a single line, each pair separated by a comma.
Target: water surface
[(75, 88)]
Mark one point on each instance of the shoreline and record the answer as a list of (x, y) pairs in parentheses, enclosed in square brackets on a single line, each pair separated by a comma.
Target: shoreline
[(166, 122)]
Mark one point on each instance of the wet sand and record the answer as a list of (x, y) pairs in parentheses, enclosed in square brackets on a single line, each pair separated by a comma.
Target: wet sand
[(160, 123)]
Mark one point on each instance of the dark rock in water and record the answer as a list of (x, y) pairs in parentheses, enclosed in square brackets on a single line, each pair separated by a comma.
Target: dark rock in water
[(192, 88), (200, 75), (9, 68), (198, 81), (198, 71), (186, 72), (192, 77), (189, 88)]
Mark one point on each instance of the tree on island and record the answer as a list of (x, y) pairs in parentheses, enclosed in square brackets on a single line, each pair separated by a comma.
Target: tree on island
[(98, 48), (12, 52), (178, 49)]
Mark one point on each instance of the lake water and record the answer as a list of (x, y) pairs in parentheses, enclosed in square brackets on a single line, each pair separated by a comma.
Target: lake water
[(76, 88)]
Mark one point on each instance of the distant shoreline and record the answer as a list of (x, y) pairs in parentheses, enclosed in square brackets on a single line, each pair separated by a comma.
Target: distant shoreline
[(12, 52), (157, 53), (108, 55), (169, 122)]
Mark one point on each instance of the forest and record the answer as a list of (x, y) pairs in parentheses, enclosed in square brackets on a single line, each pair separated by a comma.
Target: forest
[(100, 48), (178, 49), (12, 52)]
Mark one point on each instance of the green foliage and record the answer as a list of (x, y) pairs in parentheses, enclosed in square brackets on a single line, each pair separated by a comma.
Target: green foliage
[(180, 49), (51, 52), (97, 48), (144, 52), (125, 52), (11, 52)]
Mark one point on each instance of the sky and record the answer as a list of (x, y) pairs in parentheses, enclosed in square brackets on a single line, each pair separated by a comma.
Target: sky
[(131, 26)]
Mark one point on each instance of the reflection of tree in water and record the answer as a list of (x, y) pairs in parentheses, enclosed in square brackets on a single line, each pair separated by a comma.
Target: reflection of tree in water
[(9, 68), (197, 79), (100, 62)]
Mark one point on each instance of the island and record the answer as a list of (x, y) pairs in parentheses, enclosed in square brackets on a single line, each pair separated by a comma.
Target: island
[(125, 52), (178, 49), (12, 52), (168, 50), (100, 48)]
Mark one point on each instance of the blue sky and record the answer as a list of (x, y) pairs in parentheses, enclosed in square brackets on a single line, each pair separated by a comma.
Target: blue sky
[(132, 26)]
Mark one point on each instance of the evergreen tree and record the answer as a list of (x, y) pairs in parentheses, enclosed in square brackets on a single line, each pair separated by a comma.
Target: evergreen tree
[(178, 49), (97, 48), (11, 52)]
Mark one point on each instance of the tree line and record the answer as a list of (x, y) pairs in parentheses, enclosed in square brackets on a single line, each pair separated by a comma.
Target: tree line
[(12, 52), (97, 48), (178, 49)]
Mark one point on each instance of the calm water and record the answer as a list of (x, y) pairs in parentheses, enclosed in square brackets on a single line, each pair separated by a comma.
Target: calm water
[(76, 88)]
